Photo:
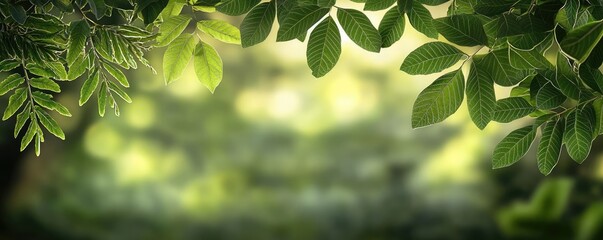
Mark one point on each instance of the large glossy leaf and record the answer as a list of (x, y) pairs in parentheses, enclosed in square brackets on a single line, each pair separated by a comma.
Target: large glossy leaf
[(579, 128), (549, 146), (257, 24), (421, 20), (481, 100), (177, 56), (431, 58), (376, 5), (236, 7), (513, 147), (496, 63), (439, 100), (510, 109), (78, 33), (299, 20), (358, 27), (527, 59), (171, 28), (464, 30), (391, 27), (324, 47), (220, 30), (208, 66), (580, 42)]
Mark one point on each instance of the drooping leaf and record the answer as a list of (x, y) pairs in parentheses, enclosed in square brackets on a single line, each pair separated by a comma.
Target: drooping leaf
[(464, 30), (439, 100), (45, 84), (391, 27), (298, 21), (29, 134), (421, 20), (208, 66), (177, 56), (171, 28), (324, 47), (359, 28), (89, 87), (481, 100), (17, 12), (22, 118), (98, 7), (117, 74), (549, 146), (431, 58), (566, 79), (102, 100), (497, 64), (78, 33), (513, 147), (49, 123), (220, 30), (510, 109), (15, 102), (527, 60), (376, 5), (257, 24), (579, 128), (432, 2)]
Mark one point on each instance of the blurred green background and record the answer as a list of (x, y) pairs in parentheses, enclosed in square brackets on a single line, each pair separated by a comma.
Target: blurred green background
[(278, 154)]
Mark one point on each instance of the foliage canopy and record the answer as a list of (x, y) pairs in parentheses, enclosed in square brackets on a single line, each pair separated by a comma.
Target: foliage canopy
[(547, 51)]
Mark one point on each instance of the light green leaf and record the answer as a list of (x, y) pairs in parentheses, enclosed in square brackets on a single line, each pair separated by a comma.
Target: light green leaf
[(421, 20), (45, 100), (18, 13), (464, 30), (496, 63), (11, 82), (31, 131), (120, 92), (208, 66), (257, 24), (549, 147), (117, 74), (22, 118), (526, 60), (78, 33), (598, 108), (89, 87), (391, 27), (431, 58), (8, 64), (15, 102), (481, 100), (513, 147), (298, 21), (171, 28), (102, 100), (510, 109), (432, 2), (177, 56), (45, 84), (220, 30), (439, 100), (77, 68), (359, 28), (579, 128), (324, 47), (49, 123), (580, 42)]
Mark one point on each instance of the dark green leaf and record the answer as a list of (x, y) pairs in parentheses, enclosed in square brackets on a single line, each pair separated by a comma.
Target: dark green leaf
[(11, 82), (579, 129), (421, 20), (257, 24), (549, 147), (78, 33), (439, 100), (391, 27), (15, 102), (513, 147), (481, 100), (510, 109), (496, 63), (49, 123), (89, 87), (298, 21), (580, 42), (236, 7), (527, 60), (45, 84), (464, 30), (359, 28), (208, 66), (431, 58)]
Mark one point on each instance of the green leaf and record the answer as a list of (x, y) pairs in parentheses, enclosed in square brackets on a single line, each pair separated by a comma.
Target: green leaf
[(391, 27), (432, 2), (324, 47), (120, 92), (150, 9), (359, 28), (31, 131), (78, 33), (464, 30), (117, 74), (598, 108), (49, 123), (177, 56), (45, 100), (439, 100), (566, 78), (17, 12), (376, 5), (527, 60), (257, 24), (513, 147), (89, 87), (58, 69), (591, 77), (102, 100), (298, 21), (11, 82), (208, 66), (171, 28), (220, 30), (430, 58), (580, 42), (22, 118), (77, 68), (545, 94), (98, 7), (510, 109), (236, 7), (549, 147), (579, 128), (45, 84), (496, 63), (8, 64), (481, 99), (421, 20), (14, 103)]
